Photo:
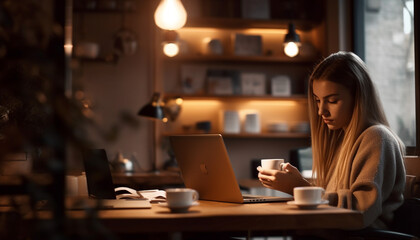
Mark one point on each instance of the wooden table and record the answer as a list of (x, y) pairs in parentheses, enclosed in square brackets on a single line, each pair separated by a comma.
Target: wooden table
[(219, 216)]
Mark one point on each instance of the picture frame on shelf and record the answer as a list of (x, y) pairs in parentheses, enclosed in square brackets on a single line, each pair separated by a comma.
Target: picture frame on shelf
[(247, 45), (253, 84), (281, 86), (222, 82), (219, 85), (193, 78)]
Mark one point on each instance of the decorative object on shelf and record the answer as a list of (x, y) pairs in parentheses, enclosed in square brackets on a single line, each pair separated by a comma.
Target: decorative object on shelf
[(153, 109), (252, 123), (172, 108), (276, 127), (248, 45), (125, 42), (291, 42), (301, 127), (193, 78), (203, 126), (107, 4), (123, 164), (170, 15), (170, 43), (255, 9), (281, 86), (87, 50), (212, 46), (253, 83), (231, 122)]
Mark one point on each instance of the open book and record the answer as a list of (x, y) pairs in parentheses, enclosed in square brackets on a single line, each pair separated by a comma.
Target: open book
[(153, 195)]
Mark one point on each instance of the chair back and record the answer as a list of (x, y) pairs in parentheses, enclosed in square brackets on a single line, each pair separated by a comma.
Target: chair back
[(407, 217), (412, 168)]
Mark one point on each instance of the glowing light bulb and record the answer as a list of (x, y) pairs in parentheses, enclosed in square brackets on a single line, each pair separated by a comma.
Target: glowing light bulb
[(291, 49), (170, 15), (170, 49), (179, 101)]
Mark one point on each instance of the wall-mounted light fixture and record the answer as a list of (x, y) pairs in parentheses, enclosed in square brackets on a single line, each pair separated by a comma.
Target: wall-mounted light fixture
[(161, 110), (291, 42), (170, 15), (153, 109)]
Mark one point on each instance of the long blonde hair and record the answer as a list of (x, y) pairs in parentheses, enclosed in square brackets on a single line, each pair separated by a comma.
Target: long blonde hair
[(332, 148)]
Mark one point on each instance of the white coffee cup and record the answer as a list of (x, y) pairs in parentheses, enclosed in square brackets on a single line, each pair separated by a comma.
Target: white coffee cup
[(272, 163), (308, 195), (181, 197)]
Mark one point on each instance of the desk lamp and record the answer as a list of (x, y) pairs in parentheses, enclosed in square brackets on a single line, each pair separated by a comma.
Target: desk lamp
[(153, 109), (156, 109)]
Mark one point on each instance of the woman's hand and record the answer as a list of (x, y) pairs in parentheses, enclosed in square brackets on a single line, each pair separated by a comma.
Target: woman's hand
[(282, 180)]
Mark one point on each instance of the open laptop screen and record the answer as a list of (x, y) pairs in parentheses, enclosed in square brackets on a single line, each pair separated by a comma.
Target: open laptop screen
[(98, 174)]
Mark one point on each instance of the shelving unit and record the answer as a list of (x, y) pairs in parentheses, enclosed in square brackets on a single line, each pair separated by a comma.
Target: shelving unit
[(202, 105), (84, 10), (270, 65)]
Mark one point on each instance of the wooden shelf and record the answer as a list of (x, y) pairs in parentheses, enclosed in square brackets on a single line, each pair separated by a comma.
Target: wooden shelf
[(243, 23), (102, 59), (250, 135), (297, 97), (242, 59)]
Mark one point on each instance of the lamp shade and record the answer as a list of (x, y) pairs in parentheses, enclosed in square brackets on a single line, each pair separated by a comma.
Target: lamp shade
[(291, 35), (153, 109)]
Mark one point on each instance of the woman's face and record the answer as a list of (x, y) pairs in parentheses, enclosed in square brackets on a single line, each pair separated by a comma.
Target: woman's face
[(335, 103)]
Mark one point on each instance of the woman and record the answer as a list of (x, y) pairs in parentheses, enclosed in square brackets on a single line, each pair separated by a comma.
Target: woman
[(356, 157)]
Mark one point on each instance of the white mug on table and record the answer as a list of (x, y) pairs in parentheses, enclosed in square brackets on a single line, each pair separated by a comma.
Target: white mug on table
[(181, 197), (308, 195)]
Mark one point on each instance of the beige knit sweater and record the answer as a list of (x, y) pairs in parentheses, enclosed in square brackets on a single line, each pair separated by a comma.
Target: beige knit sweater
[(376, 178)]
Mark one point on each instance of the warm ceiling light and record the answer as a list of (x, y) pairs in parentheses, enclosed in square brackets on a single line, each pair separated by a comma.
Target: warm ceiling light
[(170, 49), (170, 15), (291, 49), (291, 42)]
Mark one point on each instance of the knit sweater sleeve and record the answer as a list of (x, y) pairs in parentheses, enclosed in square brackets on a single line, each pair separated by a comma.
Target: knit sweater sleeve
[(376, 178)]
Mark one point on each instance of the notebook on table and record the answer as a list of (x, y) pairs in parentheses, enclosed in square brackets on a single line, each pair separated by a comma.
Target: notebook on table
[(206, 167), (100, 184)]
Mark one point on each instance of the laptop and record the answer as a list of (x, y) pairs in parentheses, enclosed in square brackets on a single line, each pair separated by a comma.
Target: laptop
[(205, 166), (100, 184)]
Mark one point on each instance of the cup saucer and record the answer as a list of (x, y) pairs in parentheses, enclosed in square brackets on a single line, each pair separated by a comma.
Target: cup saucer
[(307, 205), (177, 209)]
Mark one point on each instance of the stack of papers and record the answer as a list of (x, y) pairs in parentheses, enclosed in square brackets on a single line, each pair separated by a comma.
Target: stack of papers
[(153, 195)]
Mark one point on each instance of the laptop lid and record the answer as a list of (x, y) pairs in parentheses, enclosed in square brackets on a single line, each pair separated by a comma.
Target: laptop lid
[(206, 167)]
